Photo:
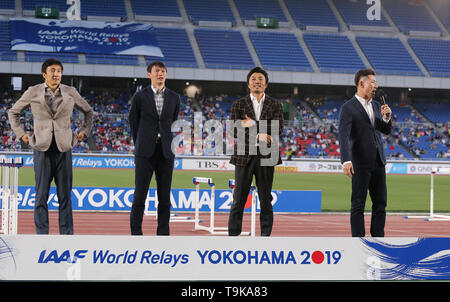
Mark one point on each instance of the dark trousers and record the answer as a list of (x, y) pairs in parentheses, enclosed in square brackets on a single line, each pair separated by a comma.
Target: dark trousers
[(144, 168), (243, 181), (49, 165), (374, 181)]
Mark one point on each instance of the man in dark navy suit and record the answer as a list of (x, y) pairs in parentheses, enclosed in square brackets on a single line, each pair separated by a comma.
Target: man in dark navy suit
[(362, 154), (152, 112)]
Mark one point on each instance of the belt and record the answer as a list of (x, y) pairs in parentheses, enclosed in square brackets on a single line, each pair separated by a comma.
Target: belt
[(158, 140)]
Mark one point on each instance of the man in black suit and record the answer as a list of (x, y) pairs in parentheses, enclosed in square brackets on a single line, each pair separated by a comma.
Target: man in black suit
[(152, 112), (251, 111), (362, 154)]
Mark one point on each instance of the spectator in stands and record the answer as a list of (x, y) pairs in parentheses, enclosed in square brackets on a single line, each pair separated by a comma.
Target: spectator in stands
[(52, 105)]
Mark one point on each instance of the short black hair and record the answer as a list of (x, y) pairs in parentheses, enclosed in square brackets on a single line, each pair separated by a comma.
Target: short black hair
[(50, 62), (258, 70), (363, 73), (156, 63)]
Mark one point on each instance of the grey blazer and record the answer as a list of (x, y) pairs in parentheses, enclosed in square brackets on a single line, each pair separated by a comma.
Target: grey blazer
[(45, 121)]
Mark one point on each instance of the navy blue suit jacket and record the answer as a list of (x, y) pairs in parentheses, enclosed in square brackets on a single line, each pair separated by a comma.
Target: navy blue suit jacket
[(359, 141), (145, 124)]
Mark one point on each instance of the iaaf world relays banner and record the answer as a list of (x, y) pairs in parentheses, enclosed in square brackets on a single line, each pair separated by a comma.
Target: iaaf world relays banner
[(86, 257), (120, 199), (84, 37)]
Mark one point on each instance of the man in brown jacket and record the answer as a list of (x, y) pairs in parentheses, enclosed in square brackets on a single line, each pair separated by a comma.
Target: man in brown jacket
[(52, 105), (262, 119)]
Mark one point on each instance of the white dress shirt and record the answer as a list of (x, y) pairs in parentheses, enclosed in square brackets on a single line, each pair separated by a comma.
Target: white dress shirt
[(367, 105), (257, 106)]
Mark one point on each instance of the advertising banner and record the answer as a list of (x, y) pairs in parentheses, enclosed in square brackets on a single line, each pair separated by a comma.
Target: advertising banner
[(86, 257), (110, 162), (84, 37), (126, 161), (120, 199)]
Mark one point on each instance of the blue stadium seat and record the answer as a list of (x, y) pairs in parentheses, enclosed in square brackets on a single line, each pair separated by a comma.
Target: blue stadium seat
[(388, 56), (203, 10), (408, 16), (442, 10), (329, 109), (156, 8), (425, 140), (434, 54), (64, 57), (279, 51), (5, 43), (61, 5), (333, 53), (355, 13), (175, 46), (397, 149), (311, 13), (8, 4), (434, 111), (114, 8), (250, 9), (111, 59), (223, 49)]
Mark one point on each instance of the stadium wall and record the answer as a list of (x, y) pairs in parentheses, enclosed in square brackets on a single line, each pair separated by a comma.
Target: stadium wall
[(221, 163)]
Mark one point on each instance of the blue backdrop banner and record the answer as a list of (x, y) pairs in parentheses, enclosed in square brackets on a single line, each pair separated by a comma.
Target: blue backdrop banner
[(120, 199), (84, 37)]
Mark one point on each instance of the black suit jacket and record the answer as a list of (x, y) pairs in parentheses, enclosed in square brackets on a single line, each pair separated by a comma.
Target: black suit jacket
[(359, 141), (271, 110), (145, 124)]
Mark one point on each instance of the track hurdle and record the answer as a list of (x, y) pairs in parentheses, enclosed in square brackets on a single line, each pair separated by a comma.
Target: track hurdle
[(211, 228), (10, 184), (432, 215), (173, 216)]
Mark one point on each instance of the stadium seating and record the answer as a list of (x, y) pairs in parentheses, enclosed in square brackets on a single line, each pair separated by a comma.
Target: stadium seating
[(114, 8), (223, 49), (388, 56), (436, 112), (434, 54), (64, 57), (251, 9), (175, 46), (111, 59), (202, 10), (333, 53), (5, 43), (156, 8), (355, 13), (401, 12), (7, 5), (328, 109), (442, 10), (311, 13), (30, 5), (279, 51), (425, 142)]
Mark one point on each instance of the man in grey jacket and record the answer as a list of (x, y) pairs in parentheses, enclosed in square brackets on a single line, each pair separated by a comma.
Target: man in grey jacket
[(52, 105)]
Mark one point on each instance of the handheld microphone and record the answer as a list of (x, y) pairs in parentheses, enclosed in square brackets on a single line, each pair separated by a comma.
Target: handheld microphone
[(381, 95)]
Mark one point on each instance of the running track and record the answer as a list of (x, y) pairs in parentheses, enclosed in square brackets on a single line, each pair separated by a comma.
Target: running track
[(285, 225)]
